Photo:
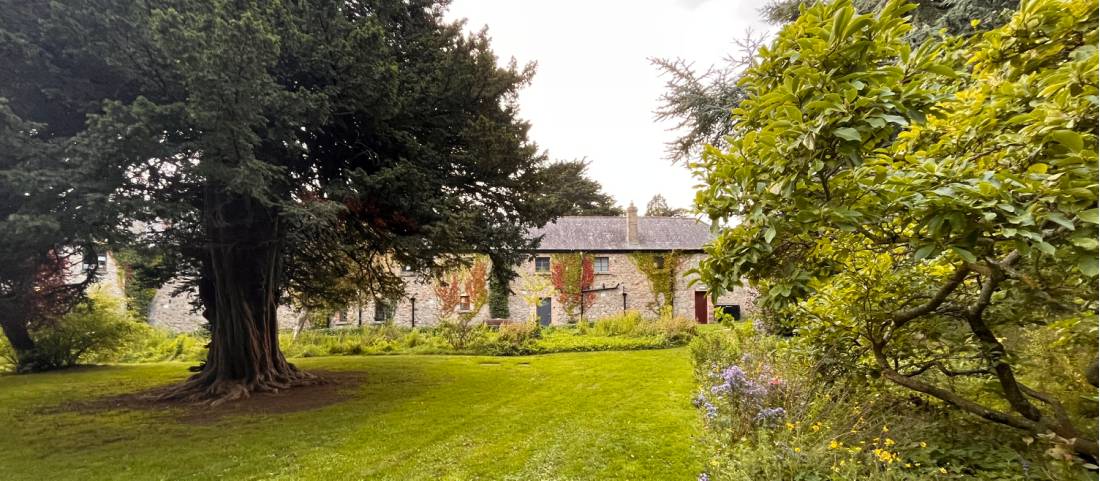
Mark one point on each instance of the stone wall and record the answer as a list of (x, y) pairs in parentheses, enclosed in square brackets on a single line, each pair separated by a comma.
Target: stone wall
[(175, 311), (607, 289), (420, 306)]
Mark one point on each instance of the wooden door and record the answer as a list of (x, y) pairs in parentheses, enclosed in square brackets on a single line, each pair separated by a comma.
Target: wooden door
[(701, 307)]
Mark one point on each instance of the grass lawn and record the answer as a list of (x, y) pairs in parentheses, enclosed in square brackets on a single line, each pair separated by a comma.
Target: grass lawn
[(596, 415)]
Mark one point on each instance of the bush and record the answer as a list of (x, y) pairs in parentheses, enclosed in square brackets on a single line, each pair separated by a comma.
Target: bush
[(461, 332), (149, 344), (619, 325), (514, 338), (95, 330), (767, 415), (676, 329)]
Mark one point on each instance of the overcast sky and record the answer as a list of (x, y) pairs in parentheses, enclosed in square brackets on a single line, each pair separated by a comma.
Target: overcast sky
[(595, 91)]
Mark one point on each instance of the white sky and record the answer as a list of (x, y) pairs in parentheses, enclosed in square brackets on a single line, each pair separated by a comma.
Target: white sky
[(595, 91)]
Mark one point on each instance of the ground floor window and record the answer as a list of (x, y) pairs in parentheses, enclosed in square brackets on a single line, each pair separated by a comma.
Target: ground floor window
[(383, 311)]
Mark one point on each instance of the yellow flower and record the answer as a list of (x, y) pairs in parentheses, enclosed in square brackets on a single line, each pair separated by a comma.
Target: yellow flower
[(890, 442), (942, 470), (974, 23), (790, 426), (908, 465), (816, 427), (835, 445), (885, 429), (923, 444), (798, 450)]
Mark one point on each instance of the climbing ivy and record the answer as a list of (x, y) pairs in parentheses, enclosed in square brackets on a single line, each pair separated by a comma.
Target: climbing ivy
[(572, 274), (660, 269)]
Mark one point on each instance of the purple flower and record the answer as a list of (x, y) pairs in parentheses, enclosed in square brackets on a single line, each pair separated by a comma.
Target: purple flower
[(768, 416), (711, 411), (704, 477), (698, 400)]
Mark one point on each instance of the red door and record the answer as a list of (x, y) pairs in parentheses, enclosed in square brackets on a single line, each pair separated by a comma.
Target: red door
[(701, 307)]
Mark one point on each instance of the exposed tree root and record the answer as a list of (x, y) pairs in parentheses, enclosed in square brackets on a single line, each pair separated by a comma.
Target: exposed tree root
[(208, 388)]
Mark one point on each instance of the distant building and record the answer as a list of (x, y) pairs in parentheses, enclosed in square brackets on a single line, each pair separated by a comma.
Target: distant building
[(618, 284)]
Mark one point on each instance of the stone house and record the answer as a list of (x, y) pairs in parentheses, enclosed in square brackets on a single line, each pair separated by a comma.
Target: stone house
[(618, 285), (614, 244)]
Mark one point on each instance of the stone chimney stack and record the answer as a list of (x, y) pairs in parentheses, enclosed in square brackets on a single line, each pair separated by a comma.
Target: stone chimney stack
[(632, 224)]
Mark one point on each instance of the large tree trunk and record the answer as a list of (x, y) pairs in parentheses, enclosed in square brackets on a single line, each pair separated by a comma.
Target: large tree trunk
[(240, 292), (14, 324)]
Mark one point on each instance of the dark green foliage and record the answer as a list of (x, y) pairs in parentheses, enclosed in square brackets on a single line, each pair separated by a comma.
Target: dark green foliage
[(658, 207), (569, 191), (278, 147), (141, 272)]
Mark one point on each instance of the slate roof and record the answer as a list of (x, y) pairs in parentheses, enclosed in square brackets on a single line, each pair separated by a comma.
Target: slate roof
[(600, 233)]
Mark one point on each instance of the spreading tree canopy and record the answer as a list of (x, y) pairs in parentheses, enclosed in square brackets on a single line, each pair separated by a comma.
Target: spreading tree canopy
[(55, 213), (926, 214), (570, 191), (273, 147)]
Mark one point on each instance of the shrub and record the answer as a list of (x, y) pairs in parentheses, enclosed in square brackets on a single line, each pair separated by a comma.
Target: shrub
[(515, 338), (149, 344), (619, 324), (461, 332), (677, 329), (767, 415), (95, 330)]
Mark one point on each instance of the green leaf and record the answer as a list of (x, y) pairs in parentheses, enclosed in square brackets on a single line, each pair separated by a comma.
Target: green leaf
[(1046, 248), (1089, 216), (925, 251), (1060, 220), (941, 69), (848, 133), (1072, 140), (769, 235), (1088, 265), (895, 119), (965, 254)]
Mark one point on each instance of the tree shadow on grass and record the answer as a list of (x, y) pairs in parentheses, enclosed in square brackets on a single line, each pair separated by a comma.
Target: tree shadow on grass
[(337, 387)]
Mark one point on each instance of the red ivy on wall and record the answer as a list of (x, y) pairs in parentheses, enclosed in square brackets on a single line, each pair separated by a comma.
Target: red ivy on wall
[(572, 275)]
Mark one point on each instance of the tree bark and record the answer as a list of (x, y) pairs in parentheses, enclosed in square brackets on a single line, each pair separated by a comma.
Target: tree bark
[(15, 329), (240, 288)]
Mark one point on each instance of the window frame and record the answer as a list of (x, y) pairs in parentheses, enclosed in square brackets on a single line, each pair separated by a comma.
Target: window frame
[(606, 265), (542, 271)]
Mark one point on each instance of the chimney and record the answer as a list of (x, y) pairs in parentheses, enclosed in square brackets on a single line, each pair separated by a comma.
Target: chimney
[(632, 225)]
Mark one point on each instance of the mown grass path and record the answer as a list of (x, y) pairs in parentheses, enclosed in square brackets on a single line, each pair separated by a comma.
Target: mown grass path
[(576, 416)]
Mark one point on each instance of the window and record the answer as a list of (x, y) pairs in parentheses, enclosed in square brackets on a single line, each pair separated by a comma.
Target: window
[(383, 311), (542, 264), (464, 304), (659, 261), (602, 265)]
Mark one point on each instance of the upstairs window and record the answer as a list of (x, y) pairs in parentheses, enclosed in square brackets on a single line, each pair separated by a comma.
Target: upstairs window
[(542, 264), (464, 304), (602, 265)]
